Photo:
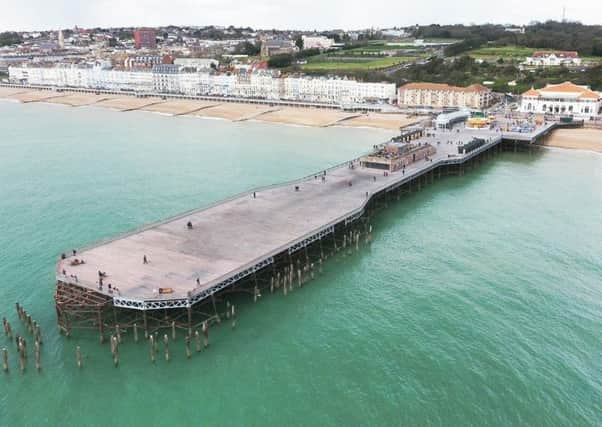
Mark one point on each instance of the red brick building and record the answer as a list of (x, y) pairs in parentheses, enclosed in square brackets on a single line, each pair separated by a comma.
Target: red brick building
[(145, 38)]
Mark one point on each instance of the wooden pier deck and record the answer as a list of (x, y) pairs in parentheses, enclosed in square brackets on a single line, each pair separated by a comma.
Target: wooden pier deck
[(240, 235)]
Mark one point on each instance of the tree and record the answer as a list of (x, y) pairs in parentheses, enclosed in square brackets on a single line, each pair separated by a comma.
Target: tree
[(299, 42), (247, 48), (125, 35), (9, 38), (280, 61), (597, 47)]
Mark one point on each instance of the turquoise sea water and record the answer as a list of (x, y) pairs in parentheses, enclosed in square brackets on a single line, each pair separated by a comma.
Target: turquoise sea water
[(478, 303)]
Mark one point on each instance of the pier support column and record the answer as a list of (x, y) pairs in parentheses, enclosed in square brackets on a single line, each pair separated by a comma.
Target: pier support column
[(145, 320), (189, 309), (215, 308), (101, 327)]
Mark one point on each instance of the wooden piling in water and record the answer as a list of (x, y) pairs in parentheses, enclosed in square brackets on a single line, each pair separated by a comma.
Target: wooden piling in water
[(197, 341), (21, 351), (8, 330), (78, 356), (233, 318), (145, 321), (205, 329), (101, 327), (5, 359), (135, 332), (166, 347), (29, 323), (173, 330), (152, 348), (37, 356), (118, 333), (188, 352), (116, 351)]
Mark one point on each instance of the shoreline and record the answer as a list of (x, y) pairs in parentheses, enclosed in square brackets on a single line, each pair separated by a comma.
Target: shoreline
[(583, 139), (230, 111)]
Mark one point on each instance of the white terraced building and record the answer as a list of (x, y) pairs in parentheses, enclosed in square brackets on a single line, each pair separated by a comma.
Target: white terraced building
[(167, 78), (71, 76), (562, 99), (333, 90), (317, 42)]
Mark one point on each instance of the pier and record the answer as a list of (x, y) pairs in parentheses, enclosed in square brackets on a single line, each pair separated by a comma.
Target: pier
[(179, 273)]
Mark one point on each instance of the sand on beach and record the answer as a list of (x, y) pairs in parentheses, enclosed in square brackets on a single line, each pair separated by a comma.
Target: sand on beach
[(178, 106), (305, 116), (35, 95), (126, 102), (580, 139), (80, 99), (315, 117), (233, 111), (380, 120), (7, 92)]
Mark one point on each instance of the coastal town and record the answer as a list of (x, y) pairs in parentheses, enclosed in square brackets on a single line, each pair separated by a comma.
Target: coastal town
[(300, 213), (245, 74)]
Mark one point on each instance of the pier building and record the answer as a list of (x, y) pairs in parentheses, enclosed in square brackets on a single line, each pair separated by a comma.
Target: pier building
[(562, 99), (395, 156)]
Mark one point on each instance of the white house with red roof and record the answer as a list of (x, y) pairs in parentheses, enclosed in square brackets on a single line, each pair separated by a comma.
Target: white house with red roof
[(568, 58), (562, 99)]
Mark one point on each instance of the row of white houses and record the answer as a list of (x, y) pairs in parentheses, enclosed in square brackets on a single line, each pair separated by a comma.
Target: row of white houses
[(172, 79)]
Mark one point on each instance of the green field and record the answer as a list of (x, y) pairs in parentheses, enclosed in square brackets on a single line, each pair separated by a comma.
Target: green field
[(355, 64), (504, 52), (375, 51)]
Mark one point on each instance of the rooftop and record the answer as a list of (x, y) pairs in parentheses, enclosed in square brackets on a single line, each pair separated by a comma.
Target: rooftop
[(568, 88), (445, 87)]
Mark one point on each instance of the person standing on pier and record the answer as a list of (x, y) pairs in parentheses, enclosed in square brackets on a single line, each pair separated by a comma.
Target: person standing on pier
[(144, 260)]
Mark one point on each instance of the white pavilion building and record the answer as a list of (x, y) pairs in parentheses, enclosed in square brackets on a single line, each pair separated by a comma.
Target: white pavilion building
[(562, 99)]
